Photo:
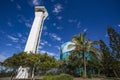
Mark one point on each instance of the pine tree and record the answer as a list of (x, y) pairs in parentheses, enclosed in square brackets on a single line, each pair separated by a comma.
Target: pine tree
[(114, 38), (106, 59)]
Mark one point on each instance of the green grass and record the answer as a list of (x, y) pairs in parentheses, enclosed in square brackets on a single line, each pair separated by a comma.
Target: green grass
[(58, 77)]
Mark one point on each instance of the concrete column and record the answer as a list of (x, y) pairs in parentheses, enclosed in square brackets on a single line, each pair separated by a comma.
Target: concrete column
[(34, 38), (35, 33)]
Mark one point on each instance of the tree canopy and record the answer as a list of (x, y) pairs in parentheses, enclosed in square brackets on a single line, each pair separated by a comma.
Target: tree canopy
[(111, 54), (39, 61)]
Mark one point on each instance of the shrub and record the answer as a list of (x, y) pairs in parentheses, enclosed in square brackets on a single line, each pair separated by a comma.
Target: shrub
[(53, 71), (58, 77), (65, 77), (49, 77)]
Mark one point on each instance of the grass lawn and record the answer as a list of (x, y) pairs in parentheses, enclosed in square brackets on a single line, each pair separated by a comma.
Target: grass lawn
[(93, 78), (96, 79)]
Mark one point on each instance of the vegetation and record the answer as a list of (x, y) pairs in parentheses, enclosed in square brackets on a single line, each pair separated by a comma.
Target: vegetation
[(58, 77), (86, 60), (111, 54), (36, 62), (103, 61), (78, 59)]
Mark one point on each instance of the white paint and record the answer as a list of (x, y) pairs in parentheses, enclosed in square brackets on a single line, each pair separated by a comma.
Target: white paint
[(34, 38), (23, 73), (35, 33), (68, 46)]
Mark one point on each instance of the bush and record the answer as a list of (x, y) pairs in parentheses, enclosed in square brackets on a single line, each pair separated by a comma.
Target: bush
[(49, 77), (53, 71), (5, 74), (58, 77), (65, 77)]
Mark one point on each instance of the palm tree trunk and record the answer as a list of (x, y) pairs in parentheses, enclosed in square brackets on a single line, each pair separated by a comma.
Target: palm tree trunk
[(84, 65), (98, 72)]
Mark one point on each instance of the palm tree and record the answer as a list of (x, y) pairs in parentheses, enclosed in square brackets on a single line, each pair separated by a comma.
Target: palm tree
[(82, 45)]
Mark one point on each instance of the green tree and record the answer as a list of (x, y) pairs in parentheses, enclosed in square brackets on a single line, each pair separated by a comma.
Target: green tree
[(107, 60), (82, 46), (34, 61), (114, 39), (110, 56), (94, 64), (16, 60), (46, 62), (62, 66), (73, 63)]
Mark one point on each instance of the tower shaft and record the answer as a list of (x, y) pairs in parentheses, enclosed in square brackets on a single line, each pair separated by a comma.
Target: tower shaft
[(34, 38), (35, 33)]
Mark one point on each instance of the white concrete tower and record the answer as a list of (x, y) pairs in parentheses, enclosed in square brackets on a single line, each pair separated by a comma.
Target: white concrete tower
[(34, 38), (35, 33)]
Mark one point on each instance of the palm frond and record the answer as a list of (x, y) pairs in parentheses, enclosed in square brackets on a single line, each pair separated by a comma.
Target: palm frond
[(96, 42), (84, 35), (75, 40)]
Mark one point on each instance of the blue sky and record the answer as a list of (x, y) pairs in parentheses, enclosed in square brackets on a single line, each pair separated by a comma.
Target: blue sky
[(66, 19)]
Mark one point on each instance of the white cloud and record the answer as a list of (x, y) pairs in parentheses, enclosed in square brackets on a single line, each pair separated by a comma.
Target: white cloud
[(57, 8), (66, 1), (45, 33), (19, 48), (44, 27), (2, 57), (2, 32), (11, 0), (42, 51), (24, 39), (54, 24), (21, 18), (62, 42), (40, 47), (54, 36), (14, 39), (59, 28), (118, 25), (26, 21), (9, 24), (72, 20), (106, 35), (49, 45), (78, 24), (18, 7), (19, 35), (36, 2), (49, 53), (52, 0), (28, 24), (43, 43), (85, 30), (8, 44), (48, 18), (59, 17), (58, 47)]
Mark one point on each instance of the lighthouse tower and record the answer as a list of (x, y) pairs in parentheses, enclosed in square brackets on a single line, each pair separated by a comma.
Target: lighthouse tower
[(34, 37), (35, 33)]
